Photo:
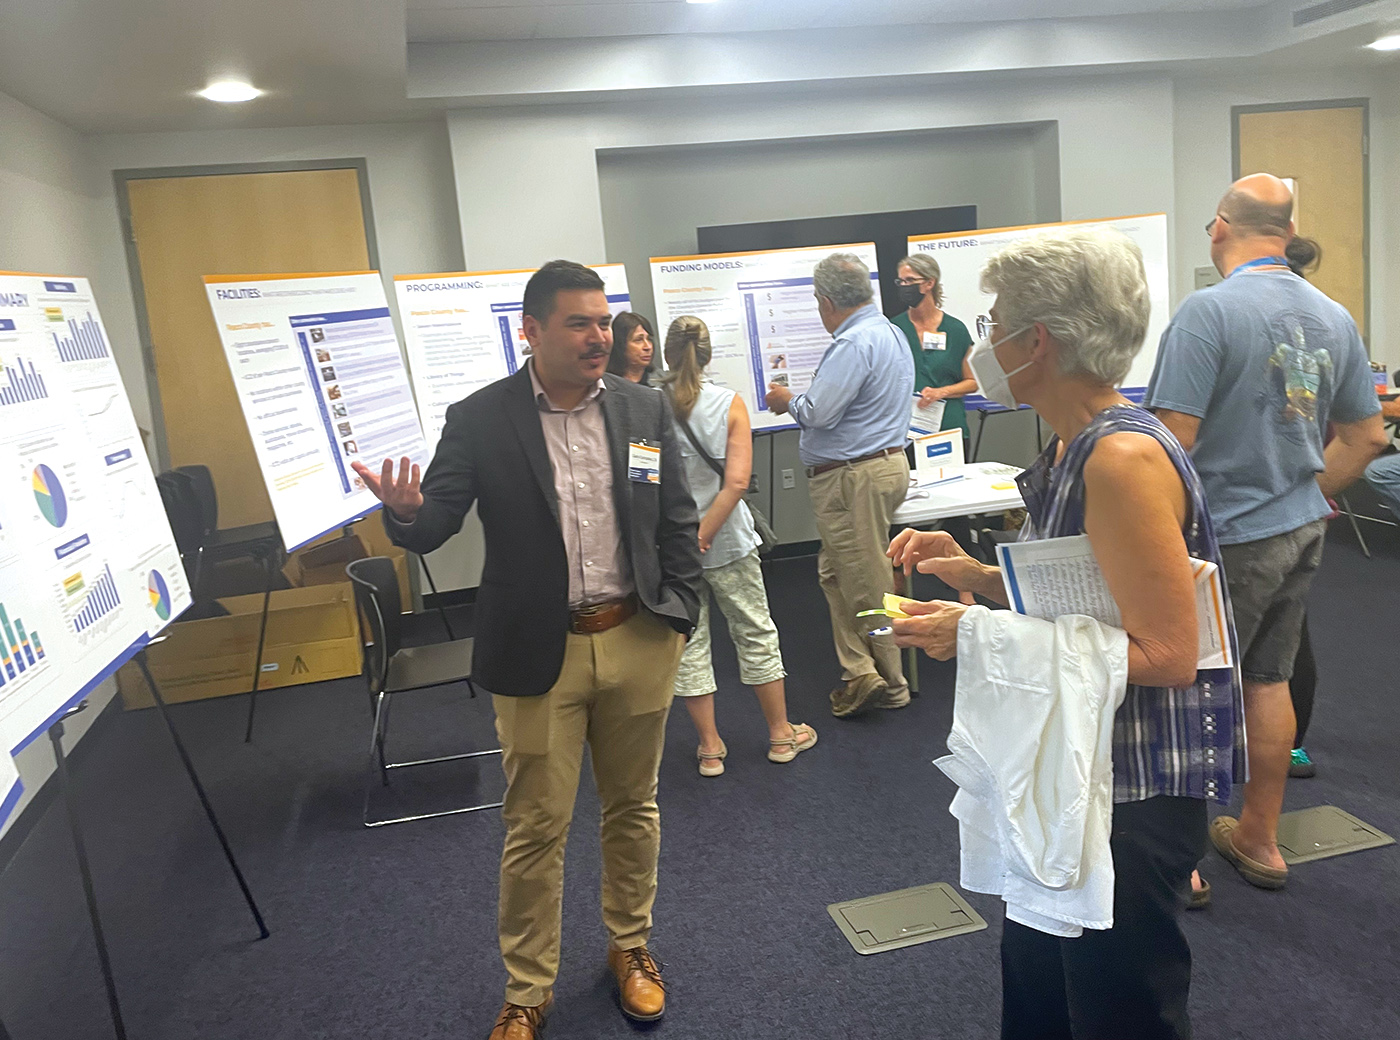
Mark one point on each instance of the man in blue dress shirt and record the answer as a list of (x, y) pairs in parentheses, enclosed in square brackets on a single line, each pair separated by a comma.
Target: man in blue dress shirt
[(854, 422)]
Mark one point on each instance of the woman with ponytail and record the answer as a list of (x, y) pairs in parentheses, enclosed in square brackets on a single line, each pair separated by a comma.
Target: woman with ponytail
[(715, 434)]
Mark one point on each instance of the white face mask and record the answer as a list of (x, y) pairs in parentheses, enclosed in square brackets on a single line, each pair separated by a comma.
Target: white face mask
[(993, 382)]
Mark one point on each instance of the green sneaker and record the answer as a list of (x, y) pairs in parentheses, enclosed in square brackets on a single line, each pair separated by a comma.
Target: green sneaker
[(1301, 765)]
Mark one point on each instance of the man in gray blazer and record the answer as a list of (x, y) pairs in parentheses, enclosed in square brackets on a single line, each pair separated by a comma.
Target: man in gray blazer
[(589, 590)]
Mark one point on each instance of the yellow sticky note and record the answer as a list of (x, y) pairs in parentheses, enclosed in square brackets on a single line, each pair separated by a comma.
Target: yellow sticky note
[(1004, 485), (894, 605)]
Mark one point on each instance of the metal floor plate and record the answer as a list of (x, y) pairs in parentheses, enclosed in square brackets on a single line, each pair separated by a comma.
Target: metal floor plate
[(905, 918), (1323, 831)]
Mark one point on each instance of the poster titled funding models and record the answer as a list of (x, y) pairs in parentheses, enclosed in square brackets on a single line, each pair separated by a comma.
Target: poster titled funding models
[(465, 330), (316, 364), (761, 313)]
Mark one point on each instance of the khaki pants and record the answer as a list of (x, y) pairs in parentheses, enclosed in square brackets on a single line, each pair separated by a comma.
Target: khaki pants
[(853, 506), (614, 693)]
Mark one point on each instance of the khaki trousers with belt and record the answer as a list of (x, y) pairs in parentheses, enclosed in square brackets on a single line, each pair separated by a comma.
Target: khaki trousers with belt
[(853, 505), (613, 693)]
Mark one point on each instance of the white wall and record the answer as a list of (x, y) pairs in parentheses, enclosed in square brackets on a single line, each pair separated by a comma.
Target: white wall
[(48, 206), (653, 199), (1204, 166), (538, 164)]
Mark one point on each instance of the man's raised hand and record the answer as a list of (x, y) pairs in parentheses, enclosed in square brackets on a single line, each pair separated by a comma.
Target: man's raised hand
[(400, 494)]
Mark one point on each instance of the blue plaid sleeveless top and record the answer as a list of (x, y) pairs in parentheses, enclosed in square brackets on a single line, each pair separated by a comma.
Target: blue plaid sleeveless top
[(1186, 741)]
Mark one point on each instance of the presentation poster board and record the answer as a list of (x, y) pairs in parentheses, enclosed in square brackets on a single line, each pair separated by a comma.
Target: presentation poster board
[(762, 316), (89, 571), (961, 257), (316, 364), (465, 330)]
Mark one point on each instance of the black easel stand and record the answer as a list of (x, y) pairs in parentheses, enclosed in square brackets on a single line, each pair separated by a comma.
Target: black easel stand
[(80, 847), (56, 737), (199, 790), (442, 612), (262, 640)]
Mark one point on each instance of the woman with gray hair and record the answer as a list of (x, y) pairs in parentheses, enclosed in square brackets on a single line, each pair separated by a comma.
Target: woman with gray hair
[(1070, 314), (939, 341)]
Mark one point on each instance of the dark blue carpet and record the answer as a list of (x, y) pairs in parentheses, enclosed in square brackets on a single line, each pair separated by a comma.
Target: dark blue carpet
[(391, 933)]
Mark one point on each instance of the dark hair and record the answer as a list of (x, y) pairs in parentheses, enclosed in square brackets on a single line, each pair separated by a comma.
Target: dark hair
[(1303, 256), (625, 323), (553, 278), (1247, 213)]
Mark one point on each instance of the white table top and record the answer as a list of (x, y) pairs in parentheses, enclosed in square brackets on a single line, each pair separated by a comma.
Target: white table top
[(973, 494)]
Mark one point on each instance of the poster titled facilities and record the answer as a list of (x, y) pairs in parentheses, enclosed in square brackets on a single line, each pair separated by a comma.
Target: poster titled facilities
[(761, 313), (322, 384)]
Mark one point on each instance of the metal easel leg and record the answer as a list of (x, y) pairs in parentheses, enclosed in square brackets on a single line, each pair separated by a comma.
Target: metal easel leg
[(1346, 508), (442, 612), (257, 667), (113, 1005), (203, 796), (977, 444)]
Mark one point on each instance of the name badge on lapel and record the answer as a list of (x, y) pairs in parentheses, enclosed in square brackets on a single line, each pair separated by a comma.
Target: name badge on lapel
[(643, 463), (935, 341)]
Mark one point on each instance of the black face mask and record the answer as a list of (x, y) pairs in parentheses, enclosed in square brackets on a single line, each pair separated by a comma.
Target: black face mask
[(910, 295)]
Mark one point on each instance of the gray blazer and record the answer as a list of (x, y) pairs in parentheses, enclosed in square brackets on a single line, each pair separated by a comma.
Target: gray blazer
[(492, 453)]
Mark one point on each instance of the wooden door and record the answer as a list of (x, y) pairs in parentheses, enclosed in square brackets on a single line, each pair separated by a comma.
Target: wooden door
[(1323, 151), (185, 227)]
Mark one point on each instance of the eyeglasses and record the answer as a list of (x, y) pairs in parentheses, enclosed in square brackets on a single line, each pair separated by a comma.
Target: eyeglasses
[(985, 326), (1210, 225), (910, 281)]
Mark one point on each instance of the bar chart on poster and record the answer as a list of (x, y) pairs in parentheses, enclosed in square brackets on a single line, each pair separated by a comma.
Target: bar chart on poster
[(761, 313), (84, 538), (318, 372), (463, 331)]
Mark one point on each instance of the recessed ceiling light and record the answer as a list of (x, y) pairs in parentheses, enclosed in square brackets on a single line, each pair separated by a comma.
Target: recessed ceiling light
[(1386, 43), (230, 91)]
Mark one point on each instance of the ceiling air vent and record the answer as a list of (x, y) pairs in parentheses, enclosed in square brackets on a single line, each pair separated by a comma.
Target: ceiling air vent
[(1327, 9)]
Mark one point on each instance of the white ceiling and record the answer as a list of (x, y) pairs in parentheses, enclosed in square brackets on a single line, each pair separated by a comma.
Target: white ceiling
[(443, 21), (132, 65)]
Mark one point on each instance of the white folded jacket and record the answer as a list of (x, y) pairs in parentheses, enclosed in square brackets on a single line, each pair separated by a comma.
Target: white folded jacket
[(1032, 755)]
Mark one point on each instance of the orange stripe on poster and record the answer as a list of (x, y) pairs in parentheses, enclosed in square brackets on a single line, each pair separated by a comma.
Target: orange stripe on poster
[(210, 279), (1029, 227)]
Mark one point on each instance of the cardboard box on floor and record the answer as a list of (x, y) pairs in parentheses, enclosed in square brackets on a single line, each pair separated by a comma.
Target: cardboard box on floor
[(312, 634)]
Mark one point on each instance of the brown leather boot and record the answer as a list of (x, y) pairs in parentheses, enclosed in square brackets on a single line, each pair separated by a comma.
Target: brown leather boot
[(516, 1022), (639, 985)]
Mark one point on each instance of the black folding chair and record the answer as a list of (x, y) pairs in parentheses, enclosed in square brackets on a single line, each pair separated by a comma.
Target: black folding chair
[(186, 524), (391, 668), (261, 541)]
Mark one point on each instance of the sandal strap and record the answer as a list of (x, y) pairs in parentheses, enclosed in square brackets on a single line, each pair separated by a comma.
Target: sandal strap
[(722, 753), (799, 730)]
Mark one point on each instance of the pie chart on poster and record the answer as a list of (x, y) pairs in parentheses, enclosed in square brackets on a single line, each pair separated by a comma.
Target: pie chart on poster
[(48, 492), (160, 595)]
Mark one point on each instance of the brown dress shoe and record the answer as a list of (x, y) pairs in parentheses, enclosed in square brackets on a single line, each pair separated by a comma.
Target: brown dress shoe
[(516, 1022), (639, 985)]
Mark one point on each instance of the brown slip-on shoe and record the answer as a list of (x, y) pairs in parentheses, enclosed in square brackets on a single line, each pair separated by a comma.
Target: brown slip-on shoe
[(517, 1022), (640, 990), (862, 692), (1260, 875)]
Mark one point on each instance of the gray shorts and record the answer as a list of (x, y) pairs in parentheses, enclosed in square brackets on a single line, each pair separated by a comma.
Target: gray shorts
[(1269, 582)]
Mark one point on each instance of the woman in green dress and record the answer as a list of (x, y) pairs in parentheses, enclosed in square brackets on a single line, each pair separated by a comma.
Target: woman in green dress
[(940, 342)]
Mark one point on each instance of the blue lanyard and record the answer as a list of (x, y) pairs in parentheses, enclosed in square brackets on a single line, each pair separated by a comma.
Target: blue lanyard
[(1263, 261)]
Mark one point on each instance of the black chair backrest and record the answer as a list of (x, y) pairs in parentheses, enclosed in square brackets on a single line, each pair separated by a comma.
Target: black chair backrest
[(186, 521), (202, 483), (376, 585)]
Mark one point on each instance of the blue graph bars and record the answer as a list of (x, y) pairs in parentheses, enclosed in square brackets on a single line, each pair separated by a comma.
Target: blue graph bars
[(84, 341), (19, 650), (100, 601), (21, 384)]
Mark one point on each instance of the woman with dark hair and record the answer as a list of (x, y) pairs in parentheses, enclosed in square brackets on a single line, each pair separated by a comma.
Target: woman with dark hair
[(634, 348), (714, 424)]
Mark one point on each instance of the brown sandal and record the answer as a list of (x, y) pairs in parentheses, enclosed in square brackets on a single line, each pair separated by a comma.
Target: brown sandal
[(803, 737)]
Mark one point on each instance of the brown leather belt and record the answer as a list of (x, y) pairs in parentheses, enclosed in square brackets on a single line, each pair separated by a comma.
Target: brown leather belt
[(827, 467), (599, 617)]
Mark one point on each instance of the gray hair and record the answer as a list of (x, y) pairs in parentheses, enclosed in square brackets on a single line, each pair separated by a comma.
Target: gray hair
[(926, 267), (843, 279), (1088, 287)]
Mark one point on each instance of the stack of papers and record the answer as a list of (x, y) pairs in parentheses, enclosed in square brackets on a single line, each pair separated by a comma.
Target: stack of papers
[(1057, 576)]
